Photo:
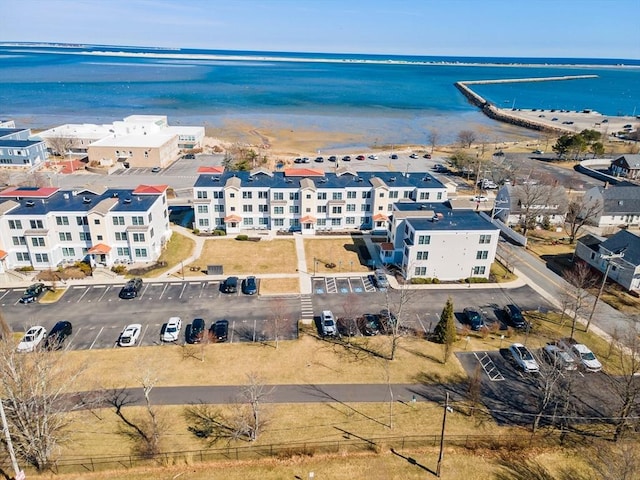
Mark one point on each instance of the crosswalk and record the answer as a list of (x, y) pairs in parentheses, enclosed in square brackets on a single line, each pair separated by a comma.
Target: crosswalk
[(306, 310)]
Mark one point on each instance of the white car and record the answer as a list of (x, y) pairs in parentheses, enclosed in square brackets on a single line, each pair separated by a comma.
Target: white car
[(172, 330), (373, 157), (34, 336), (586, 357), (480, 198), (524, 358), (129, 335), (328, 324), (413, 155)]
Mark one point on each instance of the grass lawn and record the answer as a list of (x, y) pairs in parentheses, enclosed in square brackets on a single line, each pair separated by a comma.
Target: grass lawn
[(178, 248), (274, 286), (349, 254), (241, 258)]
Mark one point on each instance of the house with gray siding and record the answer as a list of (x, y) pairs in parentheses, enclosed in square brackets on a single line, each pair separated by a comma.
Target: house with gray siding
[(19, 150)]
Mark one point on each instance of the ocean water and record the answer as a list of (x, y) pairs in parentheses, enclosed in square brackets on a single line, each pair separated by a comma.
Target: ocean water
[(380, 99)]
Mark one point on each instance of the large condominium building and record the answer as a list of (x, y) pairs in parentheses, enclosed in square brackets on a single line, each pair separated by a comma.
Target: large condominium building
[(44, 227), (136, 141), (430, 240), (307, 200), (18, 149)]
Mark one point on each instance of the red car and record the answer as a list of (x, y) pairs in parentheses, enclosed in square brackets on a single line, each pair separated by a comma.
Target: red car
[(360, 157)]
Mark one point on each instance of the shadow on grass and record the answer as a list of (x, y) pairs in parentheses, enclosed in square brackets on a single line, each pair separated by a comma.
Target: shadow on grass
[(558, 263), (413, 461)]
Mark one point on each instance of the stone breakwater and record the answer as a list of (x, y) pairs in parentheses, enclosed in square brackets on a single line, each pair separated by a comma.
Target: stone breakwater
[(510, 116)]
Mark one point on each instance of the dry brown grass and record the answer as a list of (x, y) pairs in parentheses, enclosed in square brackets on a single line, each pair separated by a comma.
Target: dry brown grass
[(241, 258), (343, 252), (274, 286)]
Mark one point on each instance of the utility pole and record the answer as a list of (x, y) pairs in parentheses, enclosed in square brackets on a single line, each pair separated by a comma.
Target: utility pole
[(610, 257), (444, 422), (5, 428)]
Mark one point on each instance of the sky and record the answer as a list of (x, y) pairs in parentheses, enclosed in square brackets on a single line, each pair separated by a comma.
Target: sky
[(502, 28)]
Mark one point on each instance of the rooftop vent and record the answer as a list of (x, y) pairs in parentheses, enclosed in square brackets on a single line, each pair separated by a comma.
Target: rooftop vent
[(215, 179), (323, 180), (86, 200), (392, 179), (358, 179), (250, 179), (65, 196), (115, 195), (30, 203), (288, 180), (423, 207), (127, 200), (426, 179)]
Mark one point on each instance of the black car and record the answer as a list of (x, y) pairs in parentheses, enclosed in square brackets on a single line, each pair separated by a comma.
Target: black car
[(249, 286), (514, 316), (230, 285), (347, 327), (131, 289), (369, 325), (346, 158), (196, 331), (58, 335), (319, 159), (32, 293), (394, 156), (219, 331), (474, 318), (332, 158)]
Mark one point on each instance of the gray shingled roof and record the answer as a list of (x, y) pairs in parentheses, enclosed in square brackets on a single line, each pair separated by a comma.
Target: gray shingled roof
[(621, 199), (628, 241)]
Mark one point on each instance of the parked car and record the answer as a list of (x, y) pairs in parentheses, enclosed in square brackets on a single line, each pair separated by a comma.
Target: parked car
[(474, 318), (347, 327), (413, 155), (394, 156), (34, 336), (230, 285), (380, 278), (328, 324), (58, 334), (524, 358), (360, 157), (131, 288), (171, 331), (586, 357), (369, 325), (298, 160), (373, 157), (480, 198), (559, 358), (249, 286), (514, 316), (155, 169), (129, 336), (538, 152), (196, 331), (332, 158), (32, 293), (319, 159), (346, 158), (305, 160), (219, 331), (426, 155)]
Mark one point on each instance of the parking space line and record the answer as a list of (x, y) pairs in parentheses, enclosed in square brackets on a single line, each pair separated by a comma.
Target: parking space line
[(146, 327), (330, 282), (233, 329), (5, 293), (489, 367), (163, 290), (82, 296), (104, 293), (421, 324), (96, 339), (184, 286), (75, 335)]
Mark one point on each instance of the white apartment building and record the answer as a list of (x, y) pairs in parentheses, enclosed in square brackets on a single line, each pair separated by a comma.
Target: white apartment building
[(434, 241), (306, 199), (137, 140), (44, 227)]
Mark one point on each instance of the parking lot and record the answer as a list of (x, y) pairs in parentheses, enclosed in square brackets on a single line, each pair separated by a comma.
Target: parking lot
[(343, 285), (98, 315)]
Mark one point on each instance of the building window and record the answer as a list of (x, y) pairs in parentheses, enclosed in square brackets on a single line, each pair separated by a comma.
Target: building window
[(15, 224), (263, 221), (201, 194), (337, 195), (232, 195), (351, 207), (294, 196), (37, 241), (322, 195), (85, 236), (278, 195), (294, 209), (141, 252), (366, 194), (263, 208), (393, 194), (422, 255), (420, 271), (218, 195), (278, 210), (248, 222), (96, 221), (478, 270), (121, 236), (22, 257), (321, 222), (247, 208), (439, 196), (350, 220), (137, 220), (485, 238), (118, 220), (138, 237), (68, 252), (351, 194), (203, 208), (322, 209), (263, 195), (82, 221), (65, 236), (19, 241), (424, 195), (424, 239), (278, 222), (365, 207), (123, 251), (336, 209), (247, 195), (482, 255), (42, 258), (218, 208), (36, 223), (62, 220), (308, 196), (335, 222)]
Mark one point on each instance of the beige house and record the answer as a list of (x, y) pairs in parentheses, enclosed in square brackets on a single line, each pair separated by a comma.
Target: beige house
[(156, 150)]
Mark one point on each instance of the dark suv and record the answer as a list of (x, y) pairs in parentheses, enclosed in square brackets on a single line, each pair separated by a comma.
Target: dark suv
[(57, 335), (514, 316), (474, 318), (196, 332), (219, 331), (131, 288), (249, 286), (32, 293), (230, 285)]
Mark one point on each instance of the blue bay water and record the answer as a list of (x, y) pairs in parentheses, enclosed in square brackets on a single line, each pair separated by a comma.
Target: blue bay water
[(380, 98)]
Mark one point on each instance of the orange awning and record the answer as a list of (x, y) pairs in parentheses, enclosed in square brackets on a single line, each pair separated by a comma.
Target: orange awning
[(308, 219), (3, 254), (100, 248), (232, 218), (379, 217)]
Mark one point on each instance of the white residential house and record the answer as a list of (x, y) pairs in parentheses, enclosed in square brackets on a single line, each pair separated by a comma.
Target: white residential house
[(44, 227), (618, 255), (306, 199), (619, 204), (434, 241), (540, 203)]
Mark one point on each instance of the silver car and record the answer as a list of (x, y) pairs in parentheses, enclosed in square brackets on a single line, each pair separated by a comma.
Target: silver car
[(524, 358)]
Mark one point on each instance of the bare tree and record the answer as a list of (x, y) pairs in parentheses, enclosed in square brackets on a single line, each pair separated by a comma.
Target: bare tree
[(34, 390), (626, 385), (277, 318), (60, 145), (433, 138), (537, 200), (393, 317), (547, 389), (254, 394), (580, 278), (619, 461), (146, 430), (210, 423), (579, 214), (466, 138)]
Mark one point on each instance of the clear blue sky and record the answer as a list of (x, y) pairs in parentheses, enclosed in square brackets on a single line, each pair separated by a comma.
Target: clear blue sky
[(530, 28)]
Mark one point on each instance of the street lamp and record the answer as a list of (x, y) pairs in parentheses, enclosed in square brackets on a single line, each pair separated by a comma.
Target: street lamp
[(611, 256)]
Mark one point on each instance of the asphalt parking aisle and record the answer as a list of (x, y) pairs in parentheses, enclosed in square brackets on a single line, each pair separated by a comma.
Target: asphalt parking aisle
[(11, 296)]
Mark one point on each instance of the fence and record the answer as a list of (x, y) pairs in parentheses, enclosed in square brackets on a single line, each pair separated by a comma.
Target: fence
[(349, 444)]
